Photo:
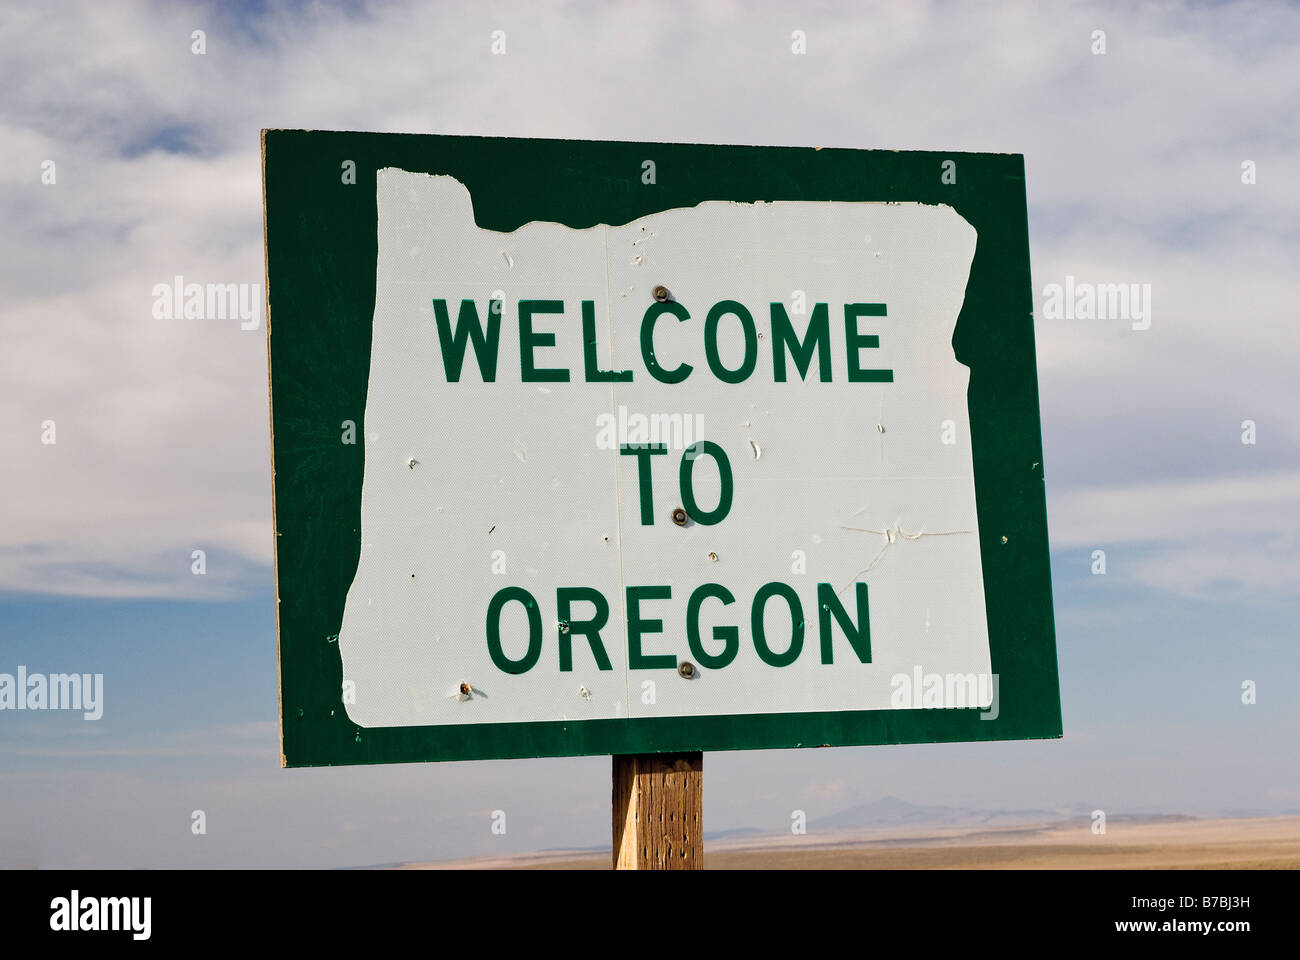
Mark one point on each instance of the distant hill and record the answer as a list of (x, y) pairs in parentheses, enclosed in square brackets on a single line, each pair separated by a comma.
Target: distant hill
[(894, 812), (891, 811), (733, 832)]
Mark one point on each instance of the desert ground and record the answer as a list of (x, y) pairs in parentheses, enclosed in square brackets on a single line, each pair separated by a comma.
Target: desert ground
[(1175, 842)]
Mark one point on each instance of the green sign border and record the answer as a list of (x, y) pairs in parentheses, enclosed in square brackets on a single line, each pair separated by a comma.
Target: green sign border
[(321, 250)]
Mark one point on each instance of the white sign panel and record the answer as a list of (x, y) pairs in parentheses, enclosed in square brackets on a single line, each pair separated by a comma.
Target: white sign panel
[(537, 423)]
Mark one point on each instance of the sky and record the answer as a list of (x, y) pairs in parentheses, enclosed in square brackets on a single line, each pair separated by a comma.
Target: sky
[(1134, 174)]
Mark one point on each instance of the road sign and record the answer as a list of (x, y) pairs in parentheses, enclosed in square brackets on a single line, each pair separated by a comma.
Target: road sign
[(592, 447)]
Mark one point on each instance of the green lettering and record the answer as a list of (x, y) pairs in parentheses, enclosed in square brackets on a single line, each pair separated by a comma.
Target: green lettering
[(467, 328), (499, 600), (529, 341), (730, 636), (817, 338), (720, 310), (857, 341), (765, 592), (594, 373), (569, 628), (637, 627), (653, 313), (859, 637), (689, 456), (643, 452)]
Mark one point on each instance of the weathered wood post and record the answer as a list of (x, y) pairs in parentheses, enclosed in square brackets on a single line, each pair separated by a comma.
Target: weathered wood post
[(658, 811)]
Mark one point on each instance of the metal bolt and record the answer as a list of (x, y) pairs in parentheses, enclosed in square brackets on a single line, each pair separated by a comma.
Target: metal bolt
[(466, 690), (713, 556), (687, 669), (661, 293), (679, 517)]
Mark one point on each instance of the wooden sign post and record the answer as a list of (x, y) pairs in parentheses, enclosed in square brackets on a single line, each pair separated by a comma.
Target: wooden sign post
[(658, 811)]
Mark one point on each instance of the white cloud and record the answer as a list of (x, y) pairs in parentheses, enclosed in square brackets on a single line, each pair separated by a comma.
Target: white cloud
[(1133, 164), (1236, 535)]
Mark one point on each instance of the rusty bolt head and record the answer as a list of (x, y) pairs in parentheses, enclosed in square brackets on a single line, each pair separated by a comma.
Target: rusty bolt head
[(661, 293), (679, 516), (687, 669), (466, 690)]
